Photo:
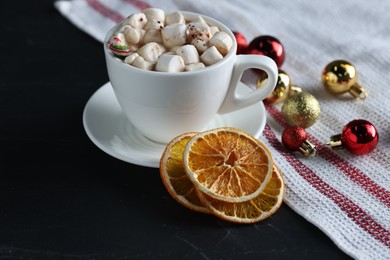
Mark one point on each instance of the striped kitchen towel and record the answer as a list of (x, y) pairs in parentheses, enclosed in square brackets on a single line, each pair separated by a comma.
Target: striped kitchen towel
[(346, 196)]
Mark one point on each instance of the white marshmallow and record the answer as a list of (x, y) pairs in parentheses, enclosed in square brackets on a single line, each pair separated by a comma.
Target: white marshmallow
[(133, 47), (175, 17), (154, 14), (154, 24), (213, 30), (174, 49), (151, 51), (211, 56), (142, 35), (199, 19), (136, 20), (200, 45), (170, 63), (132, 35), (222, 41), (152, 36), (123, 28), (145, 37), (174, 35), (194, 66), (129, 59), (198, 30), (189, 54), (141, 63)]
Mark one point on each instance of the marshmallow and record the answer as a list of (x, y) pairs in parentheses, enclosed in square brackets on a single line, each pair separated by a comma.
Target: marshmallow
[(211, 56), (198, 30), (189, 54), (175, 17), (200, 45), (136, 20), (174, 49), (194, 66), (174, 35), (152, 36), (118, 45), (170, 63), (199, 19), (142, 35), (222, 41), (151, 51), (144, 38), (133, 47), (213, 30), (154, 25), (118, 39), (132, 35), (141, 63), (123, 28), (129, 59), (154, 14)]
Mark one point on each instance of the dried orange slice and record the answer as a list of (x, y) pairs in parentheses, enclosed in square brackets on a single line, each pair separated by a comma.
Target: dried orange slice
[(228, 164), (174, 177), (254, 210)]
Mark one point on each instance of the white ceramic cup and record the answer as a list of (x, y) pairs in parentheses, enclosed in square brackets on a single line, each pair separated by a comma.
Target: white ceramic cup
[(162, 105)]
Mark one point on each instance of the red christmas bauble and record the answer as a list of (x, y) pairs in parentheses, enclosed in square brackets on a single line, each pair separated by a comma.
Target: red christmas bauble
[(293, 137), (242, 43), (268, 46), (359, 137)]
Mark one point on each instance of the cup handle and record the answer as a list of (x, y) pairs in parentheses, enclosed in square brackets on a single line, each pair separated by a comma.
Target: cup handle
[(232, 100)]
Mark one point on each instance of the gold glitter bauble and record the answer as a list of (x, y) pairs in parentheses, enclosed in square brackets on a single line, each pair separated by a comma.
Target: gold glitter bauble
[(340, 76), (301, 109), (281, 90)]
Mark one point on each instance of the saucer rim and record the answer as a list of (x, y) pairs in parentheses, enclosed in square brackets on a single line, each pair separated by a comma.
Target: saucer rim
[(100, 145), (133, 160)]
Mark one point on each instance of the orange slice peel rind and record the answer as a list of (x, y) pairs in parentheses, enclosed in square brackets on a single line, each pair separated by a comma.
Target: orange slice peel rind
[(255, 210), (225, 172), (174, 177), (228, 164)]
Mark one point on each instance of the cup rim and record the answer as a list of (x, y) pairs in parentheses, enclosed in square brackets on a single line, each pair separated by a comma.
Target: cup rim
[(210, 21)]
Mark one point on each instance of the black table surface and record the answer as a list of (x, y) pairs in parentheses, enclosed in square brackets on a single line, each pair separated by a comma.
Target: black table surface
[(61, 197)]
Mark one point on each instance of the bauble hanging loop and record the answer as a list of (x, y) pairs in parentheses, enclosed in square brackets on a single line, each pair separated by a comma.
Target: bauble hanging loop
[(295, 139), (358, 137), (340, 76), (295, 89)]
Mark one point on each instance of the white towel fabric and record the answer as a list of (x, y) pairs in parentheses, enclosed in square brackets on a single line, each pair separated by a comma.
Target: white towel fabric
[(346, 196)]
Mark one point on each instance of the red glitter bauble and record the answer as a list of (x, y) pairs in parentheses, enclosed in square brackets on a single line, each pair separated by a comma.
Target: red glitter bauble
[(268, 46), (293, 137), (359, 137), (242, 43)]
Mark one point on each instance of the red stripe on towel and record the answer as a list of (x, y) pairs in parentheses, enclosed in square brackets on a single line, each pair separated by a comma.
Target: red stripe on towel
[(138, 3), (353, 211), (355, 175), (105, 11)]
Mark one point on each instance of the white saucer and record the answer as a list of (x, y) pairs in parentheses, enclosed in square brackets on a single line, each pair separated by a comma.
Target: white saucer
[(109, 129)]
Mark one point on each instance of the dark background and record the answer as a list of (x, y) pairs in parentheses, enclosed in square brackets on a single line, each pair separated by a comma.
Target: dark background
[(63, 198)]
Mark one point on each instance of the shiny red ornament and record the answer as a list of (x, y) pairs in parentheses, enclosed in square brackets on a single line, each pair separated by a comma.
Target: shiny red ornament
[(268, 46), (242, 43), (358, 137), (295, 139)]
